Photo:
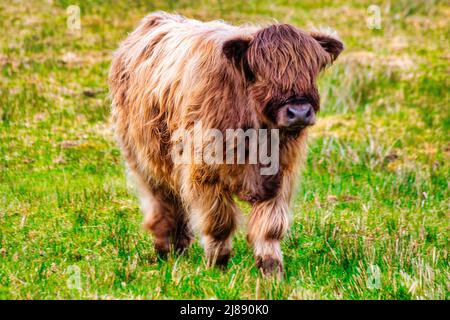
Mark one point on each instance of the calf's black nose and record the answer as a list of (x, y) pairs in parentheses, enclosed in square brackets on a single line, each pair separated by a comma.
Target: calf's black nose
[(301, 115)]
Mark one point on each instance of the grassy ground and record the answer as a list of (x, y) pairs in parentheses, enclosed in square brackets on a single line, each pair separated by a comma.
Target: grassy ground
[(371, 217)]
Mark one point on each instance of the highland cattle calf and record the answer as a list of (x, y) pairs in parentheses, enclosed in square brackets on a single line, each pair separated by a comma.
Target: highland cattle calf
[(174, 74)]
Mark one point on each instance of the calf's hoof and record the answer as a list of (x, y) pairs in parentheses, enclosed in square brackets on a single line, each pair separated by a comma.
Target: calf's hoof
[(270, 266), (162, 248), (220, 261), (182, 245)]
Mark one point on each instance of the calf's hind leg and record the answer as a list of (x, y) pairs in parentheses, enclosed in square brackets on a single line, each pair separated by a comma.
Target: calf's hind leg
[(164, 217)]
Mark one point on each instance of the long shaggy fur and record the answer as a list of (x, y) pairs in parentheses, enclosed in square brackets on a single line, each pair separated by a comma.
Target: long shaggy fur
[(172, 72)]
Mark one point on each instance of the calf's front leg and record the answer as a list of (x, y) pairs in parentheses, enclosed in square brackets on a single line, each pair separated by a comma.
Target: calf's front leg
[(215, 215), (268, 223)]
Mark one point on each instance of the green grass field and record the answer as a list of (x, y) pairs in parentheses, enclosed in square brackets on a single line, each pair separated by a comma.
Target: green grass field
[(371, 216)]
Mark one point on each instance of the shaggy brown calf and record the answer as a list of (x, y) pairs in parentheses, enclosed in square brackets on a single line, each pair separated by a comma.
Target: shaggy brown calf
[(174, 73)]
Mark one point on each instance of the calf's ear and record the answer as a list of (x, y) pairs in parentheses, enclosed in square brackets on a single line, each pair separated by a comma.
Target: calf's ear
[(330, 44), (235, 50)]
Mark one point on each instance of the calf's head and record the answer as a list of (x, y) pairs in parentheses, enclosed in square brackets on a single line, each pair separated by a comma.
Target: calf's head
[(280, 65)]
